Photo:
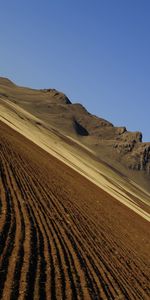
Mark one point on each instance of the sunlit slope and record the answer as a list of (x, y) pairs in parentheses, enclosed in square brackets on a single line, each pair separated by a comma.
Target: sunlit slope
[(120, 148), (62, 236), (76, 156)]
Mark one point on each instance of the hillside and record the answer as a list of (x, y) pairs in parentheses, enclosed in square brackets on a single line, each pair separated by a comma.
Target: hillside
[(74, 214), (117, 146), (61, 236)]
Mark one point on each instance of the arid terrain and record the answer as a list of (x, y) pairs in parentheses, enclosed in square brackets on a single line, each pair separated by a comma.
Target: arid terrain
[(73, 225)]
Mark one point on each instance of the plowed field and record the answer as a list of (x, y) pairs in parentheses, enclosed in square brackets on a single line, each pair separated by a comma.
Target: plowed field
[(62, 237)]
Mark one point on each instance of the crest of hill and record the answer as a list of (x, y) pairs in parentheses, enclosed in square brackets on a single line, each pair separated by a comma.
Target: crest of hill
[(24, 94), (113, 144), (6, 82)]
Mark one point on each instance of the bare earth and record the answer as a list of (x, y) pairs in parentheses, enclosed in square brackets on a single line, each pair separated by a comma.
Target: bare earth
[(74, 221), (63, 237)]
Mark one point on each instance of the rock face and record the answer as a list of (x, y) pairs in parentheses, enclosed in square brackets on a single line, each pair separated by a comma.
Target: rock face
[(139, 158), (133, 152), (56, 109)]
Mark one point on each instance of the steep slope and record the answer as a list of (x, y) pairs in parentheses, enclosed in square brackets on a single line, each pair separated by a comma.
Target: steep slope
[(115, 145), (77, 156), (72, 225), (62, 237)]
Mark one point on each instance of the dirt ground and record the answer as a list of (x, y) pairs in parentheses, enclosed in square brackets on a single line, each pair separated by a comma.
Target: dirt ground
[(61, 236)]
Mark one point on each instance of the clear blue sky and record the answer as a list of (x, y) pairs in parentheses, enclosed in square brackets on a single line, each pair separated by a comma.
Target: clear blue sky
[(96, 51)]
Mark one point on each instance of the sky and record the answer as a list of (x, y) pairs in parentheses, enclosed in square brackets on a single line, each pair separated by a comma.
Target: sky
[(95, 51)]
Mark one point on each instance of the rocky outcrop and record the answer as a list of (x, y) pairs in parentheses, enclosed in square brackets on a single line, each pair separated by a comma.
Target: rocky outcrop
[(139, 158), (134, 153), (126, 141)]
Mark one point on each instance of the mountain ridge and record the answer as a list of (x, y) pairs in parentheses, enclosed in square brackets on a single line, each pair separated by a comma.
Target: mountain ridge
[(55, 108)]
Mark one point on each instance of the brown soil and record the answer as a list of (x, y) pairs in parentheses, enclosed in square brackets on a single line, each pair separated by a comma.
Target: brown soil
[(62, 237)]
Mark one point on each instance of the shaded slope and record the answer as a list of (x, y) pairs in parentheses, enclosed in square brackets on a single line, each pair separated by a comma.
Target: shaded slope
[(61, 236)]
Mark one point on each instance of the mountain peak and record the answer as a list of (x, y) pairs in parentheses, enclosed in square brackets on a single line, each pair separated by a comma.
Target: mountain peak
[(6, 81)]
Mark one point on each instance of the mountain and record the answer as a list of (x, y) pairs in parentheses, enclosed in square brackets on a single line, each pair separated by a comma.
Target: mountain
[(115, 145), (74, 201)]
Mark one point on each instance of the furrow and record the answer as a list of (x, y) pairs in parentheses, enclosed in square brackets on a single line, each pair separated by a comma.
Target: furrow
[(6, 257)]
